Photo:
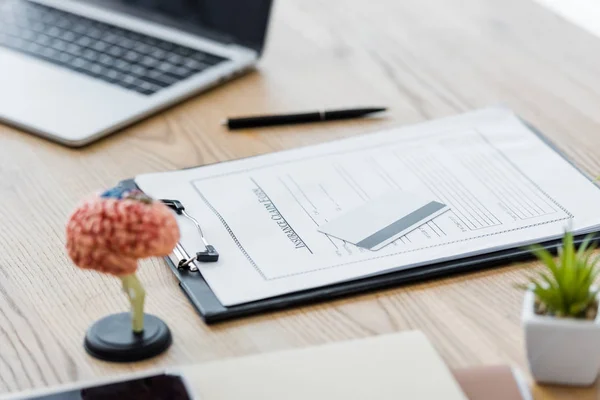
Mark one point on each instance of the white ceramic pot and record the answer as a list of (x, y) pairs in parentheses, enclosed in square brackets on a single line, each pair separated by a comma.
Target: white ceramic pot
[(562, 351)]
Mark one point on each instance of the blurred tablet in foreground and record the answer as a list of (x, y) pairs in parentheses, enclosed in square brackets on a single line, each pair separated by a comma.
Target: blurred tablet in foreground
[(154, 387)]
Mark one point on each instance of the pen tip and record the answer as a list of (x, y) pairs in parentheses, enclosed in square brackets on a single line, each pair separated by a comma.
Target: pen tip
[(224, 122), (374, 110)]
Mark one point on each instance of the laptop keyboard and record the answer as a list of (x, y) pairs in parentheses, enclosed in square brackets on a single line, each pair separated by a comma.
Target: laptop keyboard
[(115, 55)]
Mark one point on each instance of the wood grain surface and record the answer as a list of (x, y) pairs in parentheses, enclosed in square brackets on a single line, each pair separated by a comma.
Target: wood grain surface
[(422, 58)]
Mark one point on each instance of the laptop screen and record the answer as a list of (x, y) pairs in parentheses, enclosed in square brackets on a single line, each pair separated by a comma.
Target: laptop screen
[(239, 21)]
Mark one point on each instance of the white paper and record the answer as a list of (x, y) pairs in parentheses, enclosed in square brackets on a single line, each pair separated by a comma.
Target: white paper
[(504, 185)]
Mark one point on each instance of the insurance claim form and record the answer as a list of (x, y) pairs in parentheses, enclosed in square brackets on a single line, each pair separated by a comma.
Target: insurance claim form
[(503, 185)]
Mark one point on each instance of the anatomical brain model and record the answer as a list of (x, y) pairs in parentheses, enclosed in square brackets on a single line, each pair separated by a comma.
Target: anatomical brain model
[(109, 234)]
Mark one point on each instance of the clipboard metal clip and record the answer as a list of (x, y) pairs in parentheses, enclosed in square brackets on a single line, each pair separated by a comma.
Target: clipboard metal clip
[(210, 254)]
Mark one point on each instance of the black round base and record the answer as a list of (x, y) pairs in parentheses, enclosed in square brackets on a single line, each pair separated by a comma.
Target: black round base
[(112, 339)]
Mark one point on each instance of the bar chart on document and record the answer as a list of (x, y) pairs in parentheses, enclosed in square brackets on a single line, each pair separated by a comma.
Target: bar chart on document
[(486, 193)]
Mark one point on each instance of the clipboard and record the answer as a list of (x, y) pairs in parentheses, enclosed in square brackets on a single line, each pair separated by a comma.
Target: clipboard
[(211, 310)]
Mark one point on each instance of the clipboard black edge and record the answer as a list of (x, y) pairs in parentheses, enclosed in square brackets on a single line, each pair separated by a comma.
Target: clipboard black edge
[(211, 310)]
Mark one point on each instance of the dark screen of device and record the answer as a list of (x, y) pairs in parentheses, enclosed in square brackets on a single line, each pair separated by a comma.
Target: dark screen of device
[(243, 21), (159, 387)]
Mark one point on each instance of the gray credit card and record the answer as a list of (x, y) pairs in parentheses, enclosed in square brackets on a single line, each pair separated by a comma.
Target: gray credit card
[(381, 220)]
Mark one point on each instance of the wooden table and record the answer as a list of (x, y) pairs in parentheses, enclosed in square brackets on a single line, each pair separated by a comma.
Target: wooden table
[(423, 58)]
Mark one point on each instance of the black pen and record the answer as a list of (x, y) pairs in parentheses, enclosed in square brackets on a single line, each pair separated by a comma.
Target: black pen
[(271, 120)]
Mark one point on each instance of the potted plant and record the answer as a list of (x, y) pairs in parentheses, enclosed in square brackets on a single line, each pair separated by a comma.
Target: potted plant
[(560, 316)]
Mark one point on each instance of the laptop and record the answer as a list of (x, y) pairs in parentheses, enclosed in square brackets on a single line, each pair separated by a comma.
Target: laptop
[(74, 71)]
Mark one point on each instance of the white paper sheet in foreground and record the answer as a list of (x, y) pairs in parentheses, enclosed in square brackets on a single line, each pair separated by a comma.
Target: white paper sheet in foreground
[(504, 185)]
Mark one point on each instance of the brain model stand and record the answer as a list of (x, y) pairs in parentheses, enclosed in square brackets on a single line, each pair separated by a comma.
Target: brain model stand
[(110, 233)]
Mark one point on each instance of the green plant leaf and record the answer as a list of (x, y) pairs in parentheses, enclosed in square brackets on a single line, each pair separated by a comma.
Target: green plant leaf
[(544, 256), (586, 277), (568, 270), (551, 298), (551, 283), (584, 246)]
